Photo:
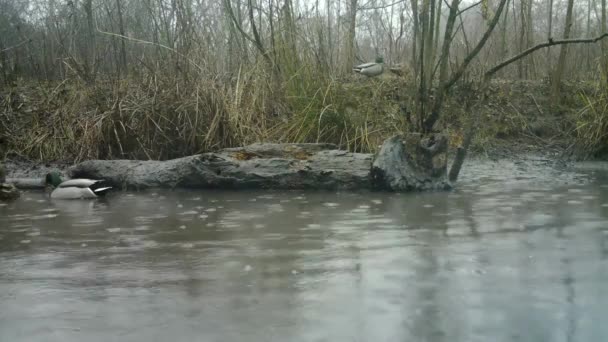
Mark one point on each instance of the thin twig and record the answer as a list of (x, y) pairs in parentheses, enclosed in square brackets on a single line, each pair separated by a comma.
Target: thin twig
[(151, 43), (380, 7), (16, 46)]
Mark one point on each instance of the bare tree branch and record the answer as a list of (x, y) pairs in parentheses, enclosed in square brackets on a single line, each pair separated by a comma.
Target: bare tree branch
[(17, 45), (473, 122), (468, 59), (469, 8), (445, 86), (488, 74), (380, 7), (151, 43)]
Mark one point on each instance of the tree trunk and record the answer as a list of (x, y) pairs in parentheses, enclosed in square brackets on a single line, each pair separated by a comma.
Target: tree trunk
[(604, 44), (437, 26), (89, 58), (349, 49), (429, 123), (330, 43), (290, 37), (549, 36), (522, 64), (530, 39), (588, 50), (561, 63), (504, 51), (416, 30), (445, 56), (422, 102), (429, 46), (123, 48)]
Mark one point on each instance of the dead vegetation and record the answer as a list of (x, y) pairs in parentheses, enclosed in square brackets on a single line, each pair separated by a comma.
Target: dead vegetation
[(163, 118)]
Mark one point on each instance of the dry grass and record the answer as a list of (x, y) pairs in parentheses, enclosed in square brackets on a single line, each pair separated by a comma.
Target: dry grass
[(592, 124), (163, 117)]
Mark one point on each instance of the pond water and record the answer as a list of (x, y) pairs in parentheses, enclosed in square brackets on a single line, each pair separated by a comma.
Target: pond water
[(509, 256)]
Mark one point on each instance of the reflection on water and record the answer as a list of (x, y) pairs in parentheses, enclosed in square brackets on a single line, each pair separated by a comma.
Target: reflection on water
[(494, 261)]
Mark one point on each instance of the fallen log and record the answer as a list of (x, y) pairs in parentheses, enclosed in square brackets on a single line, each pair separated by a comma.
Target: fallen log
[(27, 183), (263, 166), (405, 163), (412, 162)]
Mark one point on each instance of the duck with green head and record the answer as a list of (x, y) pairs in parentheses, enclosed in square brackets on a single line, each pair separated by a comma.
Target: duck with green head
[(371, 69), (74, 188)]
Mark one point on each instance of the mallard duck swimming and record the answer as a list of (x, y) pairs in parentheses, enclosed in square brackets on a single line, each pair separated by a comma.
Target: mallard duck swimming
[(74, 188), (371, 69)]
